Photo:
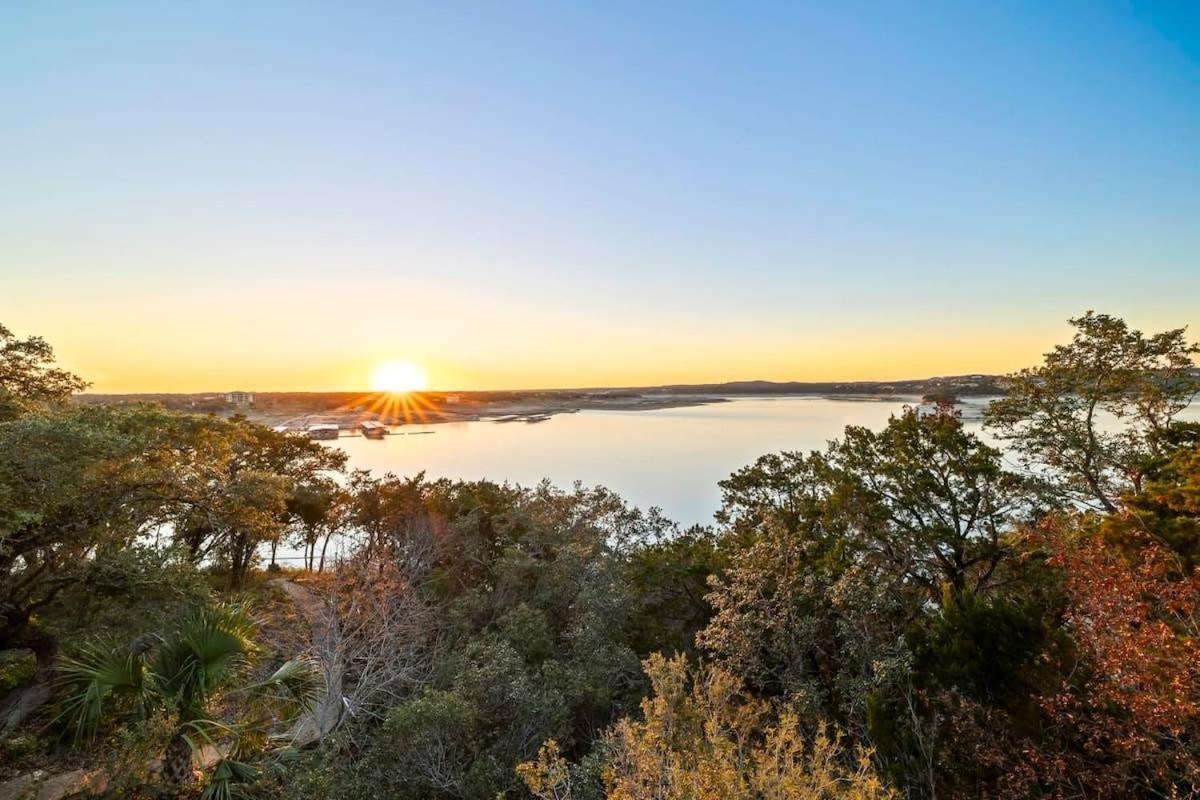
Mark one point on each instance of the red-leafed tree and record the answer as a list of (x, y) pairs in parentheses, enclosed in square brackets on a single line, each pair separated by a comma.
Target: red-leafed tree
[(1128, 717)]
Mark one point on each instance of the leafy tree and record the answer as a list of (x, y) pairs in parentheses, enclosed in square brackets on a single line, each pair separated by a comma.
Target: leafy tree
[(703, 737), (787, 488), (235, 479), (28, 379), (1167, 509), (315, 510), (184, 671), (844, 548), (254, 471), (794, 616), (533, 610), (1097, 411), (923, 498), (1128, 717), (76, 485), (669, 582), (427, 744), (929, 499), (985, 648)]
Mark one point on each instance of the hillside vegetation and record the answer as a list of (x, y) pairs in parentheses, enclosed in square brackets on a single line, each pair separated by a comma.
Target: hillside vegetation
[(908, 613)]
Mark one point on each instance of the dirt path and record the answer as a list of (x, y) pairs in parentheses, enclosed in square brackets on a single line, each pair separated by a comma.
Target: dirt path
[(315, 724)]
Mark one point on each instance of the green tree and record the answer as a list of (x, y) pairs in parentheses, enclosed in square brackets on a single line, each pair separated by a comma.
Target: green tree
[(1167, 507), (840, 552), (28, 379), (313, 509), (669, 582), (1098, 410), (534, 611), (237, 478), (77, 485), (929, 499)]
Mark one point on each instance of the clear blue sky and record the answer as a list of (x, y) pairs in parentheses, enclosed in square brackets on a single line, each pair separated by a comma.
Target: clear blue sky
[(279, 195)]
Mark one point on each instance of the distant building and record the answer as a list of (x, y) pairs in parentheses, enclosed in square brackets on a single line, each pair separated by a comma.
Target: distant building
[(326, 430), (240, 398), (373, 430)]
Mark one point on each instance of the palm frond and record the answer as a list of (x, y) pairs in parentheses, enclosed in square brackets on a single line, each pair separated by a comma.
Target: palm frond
[(101, 673), (200, 732), (202, 651), (297, 683), (228, 780)]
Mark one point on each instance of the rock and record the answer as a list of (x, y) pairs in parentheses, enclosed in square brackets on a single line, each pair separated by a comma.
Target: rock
[(40, 785), (20, 703)]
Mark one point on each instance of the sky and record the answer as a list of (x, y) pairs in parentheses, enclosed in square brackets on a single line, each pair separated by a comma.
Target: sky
[(203, 196)]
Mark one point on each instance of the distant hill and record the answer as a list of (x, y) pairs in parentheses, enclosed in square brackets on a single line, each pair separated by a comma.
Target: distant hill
[(951, 385)]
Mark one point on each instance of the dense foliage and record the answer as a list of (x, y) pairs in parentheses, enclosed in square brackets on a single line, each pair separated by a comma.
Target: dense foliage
[(910, 612)]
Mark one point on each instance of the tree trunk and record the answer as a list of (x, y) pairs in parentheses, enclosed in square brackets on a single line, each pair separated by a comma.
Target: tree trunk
[(177, 761), (241, 552), (324, 545)]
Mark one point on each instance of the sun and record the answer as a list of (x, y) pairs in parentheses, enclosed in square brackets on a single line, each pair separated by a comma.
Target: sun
[(398, 377)]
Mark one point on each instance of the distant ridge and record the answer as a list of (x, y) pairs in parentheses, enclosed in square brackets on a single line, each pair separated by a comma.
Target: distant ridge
[(956, 385)]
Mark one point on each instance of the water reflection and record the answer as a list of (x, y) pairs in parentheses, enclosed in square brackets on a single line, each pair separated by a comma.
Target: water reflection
[(672, 458)]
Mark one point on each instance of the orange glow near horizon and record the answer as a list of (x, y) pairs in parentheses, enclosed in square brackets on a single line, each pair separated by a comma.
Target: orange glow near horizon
[(217, 342)]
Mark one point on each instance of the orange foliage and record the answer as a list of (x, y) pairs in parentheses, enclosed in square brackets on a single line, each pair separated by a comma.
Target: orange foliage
[(1134, 706)]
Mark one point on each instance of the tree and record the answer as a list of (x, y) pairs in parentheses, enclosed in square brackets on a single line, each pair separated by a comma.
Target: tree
[(848, 560), (76, 486), (1098, 409), (314, 509), (669, 581), (795, 616), (184, 671), (929, 499), (703, 738), (528, 601), (238, 481), (80, 484), (1167, 509), (1127, 718), (922, 497), (27, 378)]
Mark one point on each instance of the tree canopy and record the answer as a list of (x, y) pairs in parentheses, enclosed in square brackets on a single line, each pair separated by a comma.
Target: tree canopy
[(908, 612)]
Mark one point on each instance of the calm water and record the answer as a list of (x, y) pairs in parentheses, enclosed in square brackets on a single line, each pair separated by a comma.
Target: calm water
[(670, 458)]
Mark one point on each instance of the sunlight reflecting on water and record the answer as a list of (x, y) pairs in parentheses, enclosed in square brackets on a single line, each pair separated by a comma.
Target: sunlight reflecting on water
[(671, 458)]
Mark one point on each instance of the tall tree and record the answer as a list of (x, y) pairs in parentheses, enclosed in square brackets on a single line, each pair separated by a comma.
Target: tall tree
[(75, 486), (841, 549), (1097, 410), (28, 378)]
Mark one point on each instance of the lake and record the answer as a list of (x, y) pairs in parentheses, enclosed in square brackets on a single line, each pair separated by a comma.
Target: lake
[(670, 458)]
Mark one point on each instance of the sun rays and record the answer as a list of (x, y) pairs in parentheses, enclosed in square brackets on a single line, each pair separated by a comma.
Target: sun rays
[(397, 398)]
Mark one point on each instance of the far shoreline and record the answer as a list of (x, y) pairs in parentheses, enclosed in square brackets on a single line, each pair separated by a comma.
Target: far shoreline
[(299, 412)]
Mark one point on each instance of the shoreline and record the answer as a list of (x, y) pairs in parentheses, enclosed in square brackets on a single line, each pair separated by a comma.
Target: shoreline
[(300, 411), (529, 411)]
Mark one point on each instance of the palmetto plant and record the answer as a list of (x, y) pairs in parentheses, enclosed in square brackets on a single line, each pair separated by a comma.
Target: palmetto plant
[(182, 671)]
